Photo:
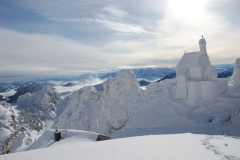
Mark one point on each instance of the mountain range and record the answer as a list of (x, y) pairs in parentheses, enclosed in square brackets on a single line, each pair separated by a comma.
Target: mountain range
[(118, 107)]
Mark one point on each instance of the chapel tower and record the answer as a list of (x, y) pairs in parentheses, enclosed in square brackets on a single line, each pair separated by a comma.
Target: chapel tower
[(202, 45)]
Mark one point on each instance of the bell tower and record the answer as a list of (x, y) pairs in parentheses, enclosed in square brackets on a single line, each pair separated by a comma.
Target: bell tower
[(202, 45)]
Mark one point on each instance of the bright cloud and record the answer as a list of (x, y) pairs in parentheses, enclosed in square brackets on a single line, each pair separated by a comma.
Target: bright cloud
[(115, 11)]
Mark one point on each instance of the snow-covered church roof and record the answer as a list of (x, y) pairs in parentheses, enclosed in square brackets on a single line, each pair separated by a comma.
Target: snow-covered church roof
[(190, 60), (193, 59)]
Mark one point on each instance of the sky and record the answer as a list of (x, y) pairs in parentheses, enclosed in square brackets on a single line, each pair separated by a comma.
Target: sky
[(59, 37)]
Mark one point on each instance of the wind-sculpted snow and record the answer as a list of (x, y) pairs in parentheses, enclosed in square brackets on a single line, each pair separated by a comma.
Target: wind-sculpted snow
[(235, 79), (105, 111)]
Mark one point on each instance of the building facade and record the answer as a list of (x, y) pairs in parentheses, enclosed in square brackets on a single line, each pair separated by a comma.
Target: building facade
[(197, 78)]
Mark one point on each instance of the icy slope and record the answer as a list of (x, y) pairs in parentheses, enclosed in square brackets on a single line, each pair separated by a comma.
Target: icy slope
[(106, 111), (179, 146)]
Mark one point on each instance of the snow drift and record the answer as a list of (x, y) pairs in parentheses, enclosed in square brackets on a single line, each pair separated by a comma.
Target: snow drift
[(47, 138), (178, 146)]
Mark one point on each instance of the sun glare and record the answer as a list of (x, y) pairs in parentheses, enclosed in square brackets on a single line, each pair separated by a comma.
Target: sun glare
[(190, 10)]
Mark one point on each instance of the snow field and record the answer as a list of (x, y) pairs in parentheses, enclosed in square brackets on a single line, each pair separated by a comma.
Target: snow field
[(176, 146)]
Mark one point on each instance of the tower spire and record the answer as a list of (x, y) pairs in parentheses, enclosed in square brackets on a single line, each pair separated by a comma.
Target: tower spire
[(202, 46)]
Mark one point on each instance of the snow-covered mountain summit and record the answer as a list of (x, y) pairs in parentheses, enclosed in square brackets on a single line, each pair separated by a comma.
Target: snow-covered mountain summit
[(125, 82), (45, 100), (35, 87), (107, 111)]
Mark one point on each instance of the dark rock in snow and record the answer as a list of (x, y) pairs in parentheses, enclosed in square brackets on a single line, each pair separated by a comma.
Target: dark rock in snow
[(143, 83), (102, 137), (99, 87), (168, 76)]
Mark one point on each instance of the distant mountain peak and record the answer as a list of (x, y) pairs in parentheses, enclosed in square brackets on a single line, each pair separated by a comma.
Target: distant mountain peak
[(32, 88)]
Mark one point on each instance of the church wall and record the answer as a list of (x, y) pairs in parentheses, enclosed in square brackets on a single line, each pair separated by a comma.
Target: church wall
[(181, 79), (196, 74), (181, 91), (208, 90), (194, 92), (214, 73), (207, 74)]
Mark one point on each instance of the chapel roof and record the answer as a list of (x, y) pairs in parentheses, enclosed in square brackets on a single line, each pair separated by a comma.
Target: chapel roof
[(190, 60)]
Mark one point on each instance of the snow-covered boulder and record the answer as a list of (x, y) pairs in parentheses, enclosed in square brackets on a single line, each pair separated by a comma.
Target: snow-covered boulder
[(33, 88), (235, 79), (105, 111)]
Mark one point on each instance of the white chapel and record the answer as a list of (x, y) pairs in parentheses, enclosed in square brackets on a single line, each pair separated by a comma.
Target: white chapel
[(197, 78)]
